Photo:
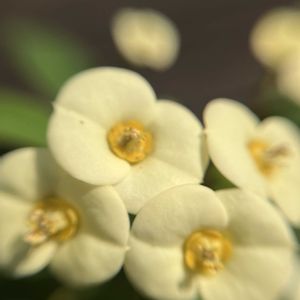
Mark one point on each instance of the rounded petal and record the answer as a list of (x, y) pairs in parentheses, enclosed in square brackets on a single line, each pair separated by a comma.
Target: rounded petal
[(28, 173), (16, 257), (108, 95), (172, 216), (87, 260), (179, 138), (229, 128), (148, 179), (102, 212), (254, 222), (251, 274), (146, 37), (289, 77), (285, 184), (276, 36), (158, 272), (81, 148)]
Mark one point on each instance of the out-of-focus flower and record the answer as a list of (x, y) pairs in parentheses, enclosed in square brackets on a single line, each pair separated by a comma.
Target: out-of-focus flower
[(260, 156), (107, 128), (47, 217), (230, 245), (289, 77), (146, 37), (276, 36)]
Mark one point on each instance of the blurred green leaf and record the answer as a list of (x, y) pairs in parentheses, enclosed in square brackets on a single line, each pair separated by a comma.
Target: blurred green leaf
[(23, 121), (43, 56), (215, 180), (275, 103)]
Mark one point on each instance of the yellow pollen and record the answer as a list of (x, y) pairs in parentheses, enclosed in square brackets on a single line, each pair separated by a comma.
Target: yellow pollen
[(130, 141), (51, 219), (206, 251), (268, 158)]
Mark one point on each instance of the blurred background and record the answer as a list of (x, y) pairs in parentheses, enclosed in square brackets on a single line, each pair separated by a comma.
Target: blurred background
[(43, 42)]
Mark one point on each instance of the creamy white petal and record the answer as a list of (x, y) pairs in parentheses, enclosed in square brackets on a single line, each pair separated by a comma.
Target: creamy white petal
[(86, 260), (102, 211), (28, 173), (80, 147), (288, 77), (285, 184), (178, 138), (254, 222), (158, 272), (170, 217), (109, 95), (229, 128), (16, 257), (146, 37), (276, 35), (251, 274), (148, 179)]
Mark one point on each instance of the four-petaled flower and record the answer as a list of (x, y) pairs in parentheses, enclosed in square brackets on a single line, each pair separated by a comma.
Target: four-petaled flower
[(263, 157), (108, 128), (47, 217), (222, 246)]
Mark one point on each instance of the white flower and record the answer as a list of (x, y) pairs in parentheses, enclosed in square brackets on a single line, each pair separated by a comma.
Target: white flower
[(107, 128), (47, 217), (231, 245), (146, 37), (276, 36), (260, 156), (289, 77)]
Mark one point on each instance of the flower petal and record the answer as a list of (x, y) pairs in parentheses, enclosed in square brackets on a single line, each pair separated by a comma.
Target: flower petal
[(16, 257), (258, 274), (179, 138), (87, 260), (158, 272), (28, 173), (229, 128), (172, 216), (254, 222), (80, 147), (102, 212), (108, 95), (148, 179), (285, 184)]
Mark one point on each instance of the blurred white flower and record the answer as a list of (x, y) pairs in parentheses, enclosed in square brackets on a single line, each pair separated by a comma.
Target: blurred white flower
[(47, 217), (263, 157), (229, 245), (108, 128), (276, 36), (288, 77), (146, 37)]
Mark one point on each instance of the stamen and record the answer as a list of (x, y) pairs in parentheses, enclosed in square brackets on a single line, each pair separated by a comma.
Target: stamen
[(130, 141), (206, 251), (268, 158), (51, 219)]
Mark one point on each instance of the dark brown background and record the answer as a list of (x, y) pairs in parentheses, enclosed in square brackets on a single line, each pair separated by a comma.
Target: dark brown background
[(215, 58)]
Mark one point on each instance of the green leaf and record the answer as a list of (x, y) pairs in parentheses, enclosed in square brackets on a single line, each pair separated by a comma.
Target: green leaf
[(215, 180), (23, 121), (43, 56)]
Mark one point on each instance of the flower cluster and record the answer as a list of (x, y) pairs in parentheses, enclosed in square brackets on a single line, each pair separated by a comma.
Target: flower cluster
[(115, 149)]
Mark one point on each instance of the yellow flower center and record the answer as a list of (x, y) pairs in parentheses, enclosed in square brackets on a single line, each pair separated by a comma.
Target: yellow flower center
[(51, 219), (268, 158), (206, 251), (130, 141)]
